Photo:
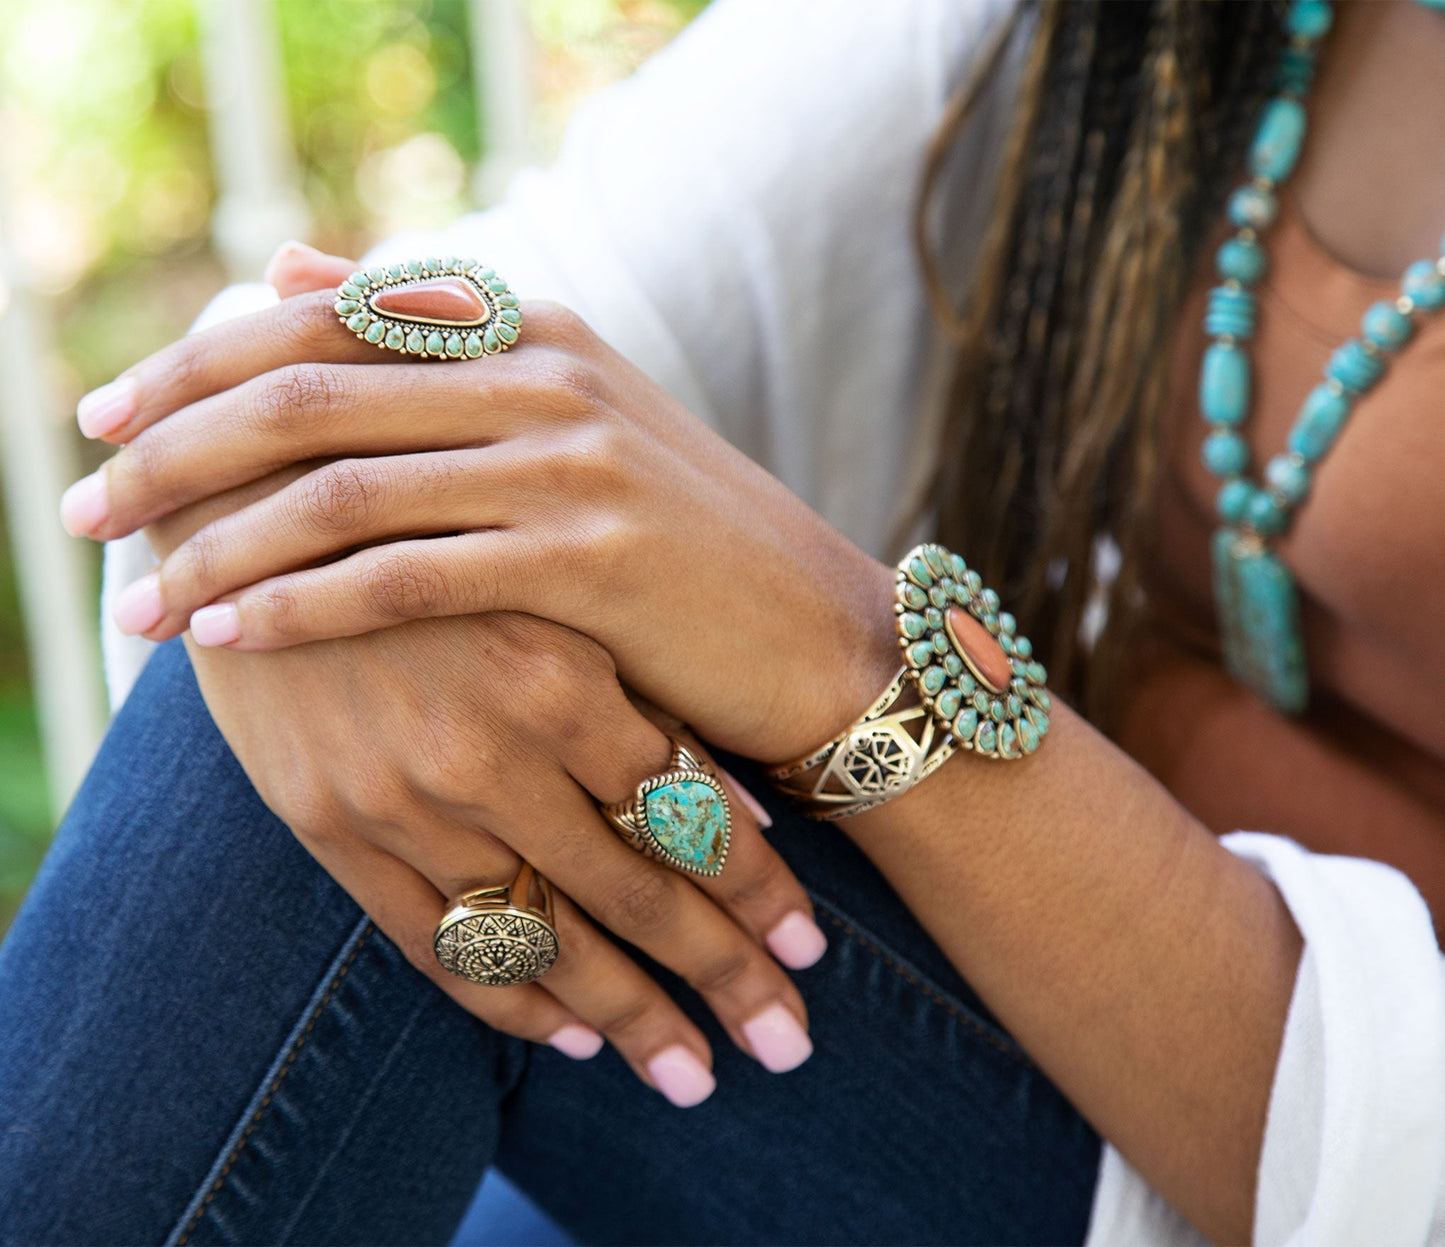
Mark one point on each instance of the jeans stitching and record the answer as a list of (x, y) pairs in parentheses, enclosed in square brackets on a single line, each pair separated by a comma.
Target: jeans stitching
[(273, 1088), (952, 1007)]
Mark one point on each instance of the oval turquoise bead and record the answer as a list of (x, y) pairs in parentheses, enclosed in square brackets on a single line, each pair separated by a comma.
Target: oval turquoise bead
[(1288, 477), (1224, 384), (938, 596), (949, 702), (376, 331), (913, 626), (1354, 367), (920, 653), (960, 568), (1232, 501), (1241, 260), (1252, 207), (414, 267), (1277, 141), (489, 342), (966, 724), (1225, 454), (1007, 624), (1008, 742), (474, 345), (395, 337), (436, 344), (506, 333), (1023, 647), (415, 341), (1265, 515), (933, 679), (454, 346), (511, 316), (1037, 674), (359, 322), (933, 617), (1424, 284), (1309, 19), (914, 596), (346, 307), (1319, 422), (934, 558), (1230, 311), (953, 664), (918, 569), (349, 289), (1039, 718), (1028, 736), (1386, 326), (1296, 70), (986, 738), (941, 643)]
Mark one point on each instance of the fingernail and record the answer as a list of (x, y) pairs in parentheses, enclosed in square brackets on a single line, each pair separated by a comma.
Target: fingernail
[(85, 506), (216, 625), (139, 608), (581, 1043), (681, 1077), (755, 807), (104, 410), (797, 941), (778, 1040), (284, 252)]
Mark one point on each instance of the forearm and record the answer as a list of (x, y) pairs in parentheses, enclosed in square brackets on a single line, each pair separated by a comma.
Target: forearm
[(1144, 968)]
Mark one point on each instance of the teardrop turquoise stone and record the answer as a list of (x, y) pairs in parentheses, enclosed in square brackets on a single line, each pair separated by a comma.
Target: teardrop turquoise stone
[(688, 821)]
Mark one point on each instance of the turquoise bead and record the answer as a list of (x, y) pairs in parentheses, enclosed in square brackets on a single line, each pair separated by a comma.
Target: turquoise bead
[(1277, 142), (967, 685), (506, 300), (933, 617), (1023, 647), (511, 316), (980, 702), (415, 341), (435, 344), (941, 643), (688, 820), (914, 596), (933, 679), (938, 595), (376, 332), (1036, 673), (990, 601), (474, 345), (1319, 422), (396, 270), (949, 702), (395, 338), (489, 342), (1241, 260), (359, 322), (966, 724), (414, 267), (934, 559), (960, 568), (953, 664), (350, 290), (346, 307), (1296, 70), (912, 626), (986, 738), (1224, 382), (1232, 501), (1252, 207), (918, 569), (1008, 742), (1424, 284), (1225, 454), (1265, 515), (1309, 19), (1007, 624), (359, 280), (920, 653), (1288, 477), (974, 581), (1040, 697), (1231, 312), (376, 276), (1354, 367), (1386, 326), (1028, 736), (506, 333), (454, 346)]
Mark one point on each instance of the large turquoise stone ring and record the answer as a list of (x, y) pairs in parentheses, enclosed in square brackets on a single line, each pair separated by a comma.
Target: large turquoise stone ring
[(680, 817), (434, 309)]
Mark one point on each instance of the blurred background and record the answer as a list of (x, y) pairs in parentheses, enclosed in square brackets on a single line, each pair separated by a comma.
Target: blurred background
[(151, 151)]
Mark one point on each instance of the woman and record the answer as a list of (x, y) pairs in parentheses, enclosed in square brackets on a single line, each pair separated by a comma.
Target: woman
[(1178, 992)]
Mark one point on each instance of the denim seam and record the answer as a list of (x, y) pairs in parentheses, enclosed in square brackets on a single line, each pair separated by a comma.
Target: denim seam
[(280, 1076), (953, 1007)]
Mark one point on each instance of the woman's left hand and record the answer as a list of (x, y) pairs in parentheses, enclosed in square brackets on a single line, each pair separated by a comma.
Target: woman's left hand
[(555, 480)]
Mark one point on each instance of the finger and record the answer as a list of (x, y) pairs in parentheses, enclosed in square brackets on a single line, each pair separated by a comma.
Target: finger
[(339, 506), (614, 747), (407, 908), (297, 268), (386, 585)]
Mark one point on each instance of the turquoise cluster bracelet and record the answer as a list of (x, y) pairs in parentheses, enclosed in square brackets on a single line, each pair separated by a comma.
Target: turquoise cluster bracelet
[(972, 669)]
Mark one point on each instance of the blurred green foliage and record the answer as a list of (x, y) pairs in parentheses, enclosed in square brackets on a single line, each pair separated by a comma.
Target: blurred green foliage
[(106, 161)]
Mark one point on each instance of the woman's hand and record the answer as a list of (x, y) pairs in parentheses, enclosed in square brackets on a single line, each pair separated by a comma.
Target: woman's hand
[(557, 480), (418, 762)]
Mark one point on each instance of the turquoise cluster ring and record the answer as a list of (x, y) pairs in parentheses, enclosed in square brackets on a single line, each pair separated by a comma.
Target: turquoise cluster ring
[(680, 817), (972, 669), (433, 308)]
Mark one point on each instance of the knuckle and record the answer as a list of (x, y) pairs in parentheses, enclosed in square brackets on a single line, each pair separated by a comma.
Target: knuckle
[(196, 564), (299, 396), (339, 497), (763, 888), (560, 325), (629, 1016), (642, 904), (402, 585), (311, 323), (280, 605), (722, 972)]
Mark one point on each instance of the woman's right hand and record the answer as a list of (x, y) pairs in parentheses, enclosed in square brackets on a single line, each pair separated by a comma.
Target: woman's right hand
[(422, 761)]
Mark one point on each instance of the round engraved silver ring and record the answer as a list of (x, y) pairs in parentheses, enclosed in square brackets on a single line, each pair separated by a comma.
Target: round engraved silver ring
[(497, 936)]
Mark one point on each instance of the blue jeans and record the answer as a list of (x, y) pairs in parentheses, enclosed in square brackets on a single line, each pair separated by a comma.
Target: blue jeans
[(203, 1040)]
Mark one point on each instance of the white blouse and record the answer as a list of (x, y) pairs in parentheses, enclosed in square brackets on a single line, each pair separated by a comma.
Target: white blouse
[(735, 219)]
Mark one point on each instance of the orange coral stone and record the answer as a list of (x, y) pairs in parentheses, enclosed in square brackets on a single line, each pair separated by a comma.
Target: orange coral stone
[(978, 648), (446, 300)]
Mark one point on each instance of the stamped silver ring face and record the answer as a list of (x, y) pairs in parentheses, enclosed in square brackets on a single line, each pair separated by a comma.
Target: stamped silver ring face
[(496, 947), (434, 308)]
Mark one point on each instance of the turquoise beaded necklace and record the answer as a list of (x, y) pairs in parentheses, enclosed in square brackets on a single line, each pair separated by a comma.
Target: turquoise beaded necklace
[(1254, 592)]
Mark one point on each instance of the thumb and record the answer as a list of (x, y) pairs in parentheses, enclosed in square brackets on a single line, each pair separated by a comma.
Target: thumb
[(296, 268)]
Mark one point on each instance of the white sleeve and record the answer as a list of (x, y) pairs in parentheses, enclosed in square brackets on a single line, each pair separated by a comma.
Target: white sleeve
[(734, 218), (1354, 1145)]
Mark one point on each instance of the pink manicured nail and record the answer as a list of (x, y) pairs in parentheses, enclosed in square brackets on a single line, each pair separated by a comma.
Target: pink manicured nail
[(104, 410), (778, 1040), (797, 941), (216, 625), (282, 253), (85, 506), (681, 1077), (581, 1043), (139, 607), (755, 807)]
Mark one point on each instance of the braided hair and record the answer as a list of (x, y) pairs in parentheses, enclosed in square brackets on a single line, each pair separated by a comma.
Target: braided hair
[(1130, 124)]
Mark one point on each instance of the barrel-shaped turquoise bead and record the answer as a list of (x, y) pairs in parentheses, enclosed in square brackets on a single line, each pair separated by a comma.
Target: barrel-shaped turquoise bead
[(1296, 71), (1230, 311), (1288, 477), (1225, 454), (1232, 501), (1386, 326), (1277, 142), (1309, 19), (1224, 384), (1252, 207), (1265, 515), (1241, 260), (1424, 285), (1354, 367), (1319, 422)]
